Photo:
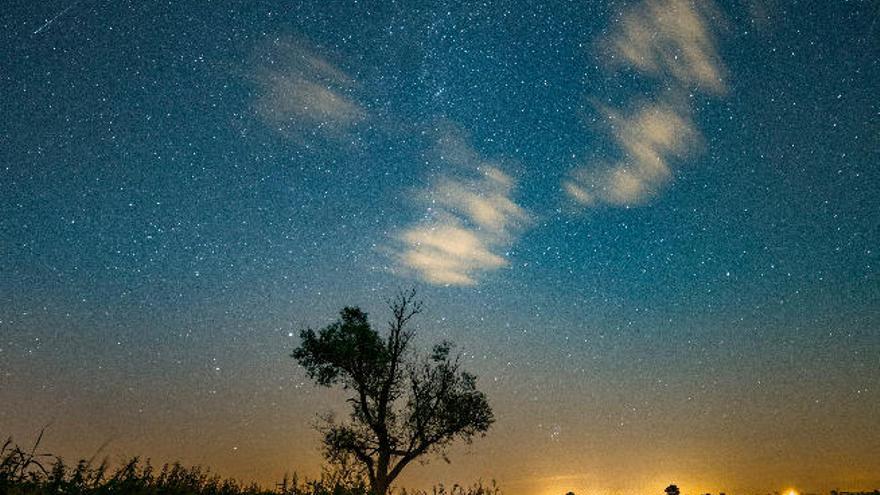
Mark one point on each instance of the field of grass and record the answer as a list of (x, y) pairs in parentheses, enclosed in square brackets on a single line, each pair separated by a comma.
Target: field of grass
[(27, 471)]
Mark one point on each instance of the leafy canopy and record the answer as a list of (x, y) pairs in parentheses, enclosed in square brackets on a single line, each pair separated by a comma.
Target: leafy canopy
[(404, 405)]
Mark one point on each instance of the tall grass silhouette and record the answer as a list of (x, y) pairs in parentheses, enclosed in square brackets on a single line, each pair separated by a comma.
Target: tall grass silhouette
[(29, 471)]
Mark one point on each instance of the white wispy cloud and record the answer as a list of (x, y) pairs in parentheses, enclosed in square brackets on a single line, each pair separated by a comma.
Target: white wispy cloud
[(650, 138), (672, 41), (470, 219), (303, 95)]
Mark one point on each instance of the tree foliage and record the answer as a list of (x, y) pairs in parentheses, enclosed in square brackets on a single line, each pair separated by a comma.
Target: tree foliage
[(403, 406)]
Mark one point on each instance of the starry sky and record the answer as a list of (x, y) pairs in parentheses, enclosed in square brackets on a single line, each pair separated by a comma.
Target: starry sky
[(651, 227)]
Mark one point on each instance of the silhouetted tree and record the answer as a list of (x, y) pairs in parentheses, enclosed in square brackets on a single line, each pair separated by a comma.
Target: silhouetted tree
[(672, 490), (403, 406)]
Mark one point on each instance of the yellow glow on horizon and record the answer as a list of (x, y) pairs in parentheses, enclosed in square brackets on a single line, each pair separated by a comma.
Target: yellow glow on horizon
[(555, 489), (791, 491)]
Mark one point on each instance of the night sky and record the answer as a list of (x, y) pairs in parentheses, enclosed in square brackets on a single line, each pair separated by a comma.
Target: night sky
[(651, 227)]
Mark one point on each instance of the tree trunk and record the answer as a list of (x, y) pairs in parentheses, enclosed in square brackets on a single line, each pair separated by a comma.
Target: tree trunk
[(382, 482), (380, 486)]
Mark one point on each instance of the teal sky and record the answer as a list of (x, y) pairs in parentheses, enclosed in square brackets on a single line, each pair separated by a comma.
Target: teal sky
[(651, 227)]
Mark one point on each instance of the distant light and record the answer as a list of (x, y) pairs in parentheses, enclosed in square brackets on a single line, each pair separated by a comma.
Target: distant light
[(791, 491)]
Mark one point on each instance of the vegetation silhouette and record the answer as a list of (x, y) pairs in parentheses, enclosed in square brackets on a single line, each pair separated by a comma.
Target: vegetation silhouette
[(672, 490), (403, 406), (29, 472)]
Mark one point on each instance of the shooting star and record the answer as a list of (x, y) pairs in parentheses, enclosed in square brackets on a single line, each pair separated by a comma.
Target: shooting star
[(50, 21)]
